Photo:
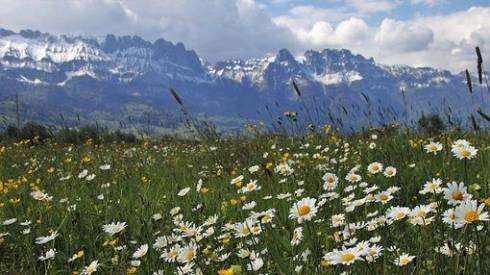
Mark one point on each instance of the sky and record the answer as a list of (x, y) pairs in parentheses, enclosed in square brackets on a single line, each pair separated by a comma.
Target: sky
[(436, 33)]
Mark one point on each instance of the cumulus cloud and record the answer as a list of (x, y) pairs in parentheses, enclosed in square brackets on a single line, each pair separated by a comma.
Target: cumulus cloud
[(403, 36), (351, 31), (445, 41)]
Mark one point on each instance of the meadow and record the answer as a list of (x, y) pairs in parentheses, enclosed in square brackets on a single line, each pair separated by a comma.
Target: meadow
[(382, 202)]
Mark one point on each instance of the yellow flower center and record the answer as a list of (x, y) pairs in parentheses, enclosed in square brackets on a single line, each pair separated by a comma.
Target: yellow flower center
[(304, 210), (400, 215), (330, 179), (465, 153), (228, 271), (371, 252), (347, 257), (471, 216), (189, 255), (245, 230), (404, 261), (383, 197), (457, 195), (172, 254), (420, 213)]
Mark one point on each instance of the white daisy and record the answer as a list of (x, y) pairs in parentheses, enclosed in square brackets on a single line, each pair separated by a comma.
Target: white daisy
[(303, 210), (346, 256), (50, 254), (469, 212), (433, 147), (375, 167), (91, 268), (141, 251), (114, 228), (330, 181), (187, 253), (456, 193), (297, 236), (464, 152), (404, 259), (389, 172)]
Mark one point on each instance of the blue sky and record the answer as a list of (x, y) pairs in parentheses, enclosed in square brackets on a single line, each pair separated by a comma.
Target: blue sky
[(403, 9), (438, 33)]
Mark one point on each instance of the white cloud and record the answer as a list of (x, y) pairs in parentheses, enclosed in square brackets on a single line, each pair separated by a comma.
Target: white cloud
[(427, 2), (351, 31), (403, 36), (219, 29), (445, 41), (215, 29), (372, 6)]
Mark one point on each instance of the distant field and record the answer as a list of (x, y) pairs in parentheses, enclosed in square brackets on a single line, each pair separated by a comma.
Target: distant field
[(377, 203)]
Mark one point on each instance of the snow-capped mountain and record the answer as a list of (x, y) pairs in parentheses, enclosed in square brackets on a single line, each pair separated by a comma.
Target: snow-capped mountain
[(112, 78)]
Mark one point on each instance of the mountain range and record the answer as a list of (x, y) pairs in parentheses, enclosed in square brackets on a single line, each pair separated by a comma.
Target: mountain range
[(124, 82)]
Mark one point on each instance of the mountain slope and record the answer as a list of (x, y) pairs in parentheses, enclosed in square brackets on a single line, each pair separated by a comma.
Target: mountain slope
[(121, 80)]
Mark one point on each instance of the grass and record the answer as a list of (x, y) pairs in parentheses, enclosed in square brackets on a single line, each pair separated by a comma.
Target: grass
[(144, 181)]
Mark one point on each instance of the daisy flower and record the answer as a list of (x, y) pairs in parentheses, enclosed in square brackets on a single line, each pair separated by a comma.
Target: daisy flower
[(449, 217), (433, 186), (353, 177), (338, 220), (404, 259), (433, 147), (9, 221), (237, 181), (383, 197), (464, 152), (256, 262), (297, 236), (375, 167), (47, 239), (389, 172), (249, 206), (373, 252), (114, 228), (91, 268), (303, 210), (50, 254), (397, 213), (251, 186), (469, 212), (187, 253), (41, 196), (184, 192), (141, 251), (456, 193), (170, 256), (346, 256), (460, 143), (330, 181)]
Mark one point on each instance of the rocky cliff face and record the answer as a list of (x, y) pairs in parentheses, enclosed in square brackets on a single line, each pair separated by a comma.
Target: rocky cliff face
[(114, 78)]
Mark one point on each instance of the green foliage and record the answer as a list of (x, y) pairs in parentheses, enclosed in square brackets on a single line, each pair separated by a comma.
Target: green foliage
[(40, 133), (144, 179), (431, 124)]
